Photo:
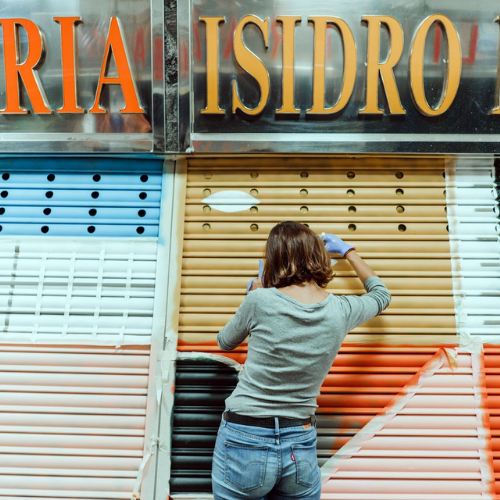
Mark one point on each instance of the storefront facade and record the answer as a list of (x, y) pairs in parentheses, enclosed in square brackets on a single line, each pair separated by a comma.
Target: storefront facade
[(147, 150), (379, 124)]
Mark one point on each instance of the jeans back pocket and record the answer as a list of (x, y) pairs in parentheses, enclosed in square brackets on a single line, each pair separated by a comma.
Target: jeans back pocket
[(306, 462), (245, 465)]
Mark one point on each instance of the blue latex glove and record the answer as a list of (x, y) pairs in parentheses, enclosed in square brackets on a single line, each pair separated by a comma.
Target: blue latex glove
[(335, 245), (261, 270)]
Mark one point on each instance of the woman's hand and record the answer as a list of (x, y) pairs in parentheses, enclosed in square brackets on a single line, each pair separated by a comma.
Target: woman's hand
[(334, 244), (254, 284)]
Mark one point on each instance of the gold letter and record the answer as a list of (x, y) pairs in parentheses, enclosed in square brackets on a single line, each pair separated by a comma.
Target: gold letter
[(116, 46), (349, 46), (385, 69), (453, 67), (212, 27), (288, 44), (251, 64), (496, 109), (25, 72)]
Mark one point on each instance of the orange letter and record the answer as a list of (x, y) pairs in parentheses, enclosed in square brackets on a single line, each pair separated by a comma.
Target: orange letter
[(68, 53), (115, 44), (385, 69), (416, 66), (251, 64), (212, 27), (16, 71)]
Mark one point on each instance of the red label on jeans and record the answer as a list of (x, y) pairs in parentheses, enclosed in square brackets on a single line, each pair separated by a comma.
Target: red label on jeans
[(293, 457)]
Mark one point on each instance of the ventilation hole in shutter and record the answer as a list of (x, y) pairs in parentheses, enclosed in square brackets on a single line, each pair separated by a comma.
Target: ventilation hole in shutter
[(92, 212), (304, 175), (254, 192), (254, 227), (2, 211), (49, 194), (254, 210), (206, 227), (5, 176), (444, 192), (45, 229), (91, 229), (254, 175), (51, 177), (96, 178), (352, 227), (350, 193), (400, 192), (144, 178), (5, 194), (399, 175), (47, 211), (206, 209), (448, 228), (207, 192), (143, 196), (141, 213), (1, 228), (304, 209), (402, 228), (208, 175), (351, 175), (400, 209), (352, 209), (140, 230), (304, 193), (95, 195)]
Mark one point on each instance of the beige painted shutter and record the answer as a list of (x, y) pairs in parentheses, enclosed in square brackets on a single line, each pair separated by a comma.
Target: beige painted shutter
[(72, 421), (393, 210)]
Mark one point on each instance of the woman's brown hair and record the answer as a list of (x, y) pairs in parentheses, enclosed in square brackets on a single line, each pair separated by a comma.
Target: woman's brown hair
[(295, 254)]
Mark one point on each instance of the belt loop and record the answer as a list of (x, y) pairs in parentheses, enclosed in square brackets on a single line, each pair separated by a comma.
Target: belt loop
[(314, 419), (277, 429), (224, 418)]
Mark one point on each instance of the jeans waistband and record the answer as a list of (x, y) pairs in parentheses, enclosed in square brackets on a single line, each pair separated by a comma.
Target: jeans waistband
[(267, 422)]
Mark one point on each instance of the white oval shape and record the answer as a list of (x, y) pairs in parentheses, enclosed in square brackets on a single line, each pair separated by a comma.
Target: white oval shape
[(231, 201)]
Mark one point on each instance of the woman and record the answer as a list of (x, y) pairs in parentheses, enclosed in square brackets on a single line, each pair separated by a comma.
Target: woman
[(266, 444)]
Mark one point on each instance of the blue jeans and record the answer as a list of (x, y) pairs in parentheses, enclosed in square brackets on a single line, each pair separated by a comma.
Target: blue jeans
[(265, 464)]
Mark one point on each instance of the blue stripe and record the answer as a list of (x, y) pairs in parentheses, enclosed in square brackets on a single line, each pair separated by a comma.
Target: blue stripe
[(53, 202)]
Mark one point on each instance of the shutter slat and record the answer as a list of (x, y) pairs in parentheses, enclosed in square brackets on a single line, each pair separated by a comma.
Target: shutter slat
[(72, 421)]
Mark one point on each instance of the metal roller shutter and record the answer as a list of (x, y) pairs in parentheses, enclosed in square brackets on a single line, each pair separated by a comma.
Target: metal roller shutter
[(431, 442), (361, 382), (80, 197), (492, 382), (474, 230), (392, 210), (81, 290), (72, 421)]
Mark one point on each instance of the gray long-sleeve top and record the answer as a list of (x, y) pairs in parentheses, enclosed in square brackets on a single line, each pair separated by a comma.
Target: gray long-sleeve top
[(292, 346)]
